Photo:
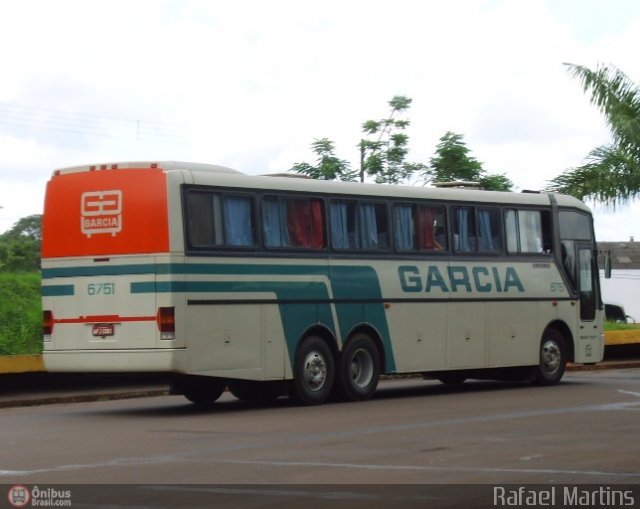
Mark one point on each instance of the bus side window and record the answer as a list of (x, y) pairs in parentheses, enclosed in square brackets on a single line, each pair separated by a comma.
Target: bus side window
[(358, 225), (419, 227), (528, 231), (464, 235), (293, 222), (489, 230), (205, 227), (238, 221), (216, 220)]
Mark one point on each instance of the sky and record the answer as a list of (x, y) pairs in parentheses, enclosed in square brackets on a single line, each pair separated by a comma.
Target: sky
[(250, 84)]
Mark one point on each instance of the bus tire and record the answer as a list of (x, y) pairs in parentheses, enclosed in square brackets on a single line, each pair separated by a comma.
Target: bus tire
[(452, 379), (313, 372), (358, 369), (248, 390), (553, 359), (201, 391)]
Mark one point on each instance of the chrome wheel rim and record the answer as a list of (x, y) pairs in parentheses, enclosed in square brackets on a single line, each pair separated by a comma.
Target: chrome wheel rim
[(315, 371), (361, 368), (551, 357)]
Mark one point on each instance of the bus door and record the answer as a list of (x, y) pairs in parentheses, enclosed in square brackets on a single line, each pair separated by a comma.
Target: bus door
[(588, 287)]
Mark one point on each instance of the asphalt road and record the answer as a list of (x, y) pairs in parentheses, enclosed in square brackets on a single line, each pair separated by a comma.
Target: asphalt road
[(585, 430)]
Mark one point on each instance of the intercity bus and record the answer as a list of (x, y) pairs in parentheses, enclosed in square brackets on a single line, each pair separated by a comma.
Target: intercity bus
[(267, 284)]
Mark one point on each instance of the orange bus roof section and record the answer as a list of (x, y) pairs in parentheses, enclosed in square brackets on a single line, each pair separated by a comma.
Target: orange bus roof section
[(106, 212)]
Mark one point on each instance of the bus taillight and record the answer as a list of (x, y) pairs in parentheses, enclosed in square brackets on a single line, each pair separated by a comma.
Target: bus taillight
[(47, 322), (167, 323)]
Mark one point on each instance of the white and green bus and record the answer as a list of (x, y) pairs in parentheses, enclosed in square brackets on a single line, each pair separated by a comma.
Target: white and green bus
[(268, 283)]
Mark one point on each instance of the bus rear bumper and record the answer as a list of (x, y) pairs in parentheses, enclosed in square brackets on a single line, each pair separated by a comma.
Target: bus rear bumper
[(116, 361)]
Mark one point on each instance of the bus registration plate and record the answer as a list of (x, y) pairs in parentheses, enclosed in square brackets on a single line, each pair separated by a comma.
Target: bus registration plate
[(103, 329)]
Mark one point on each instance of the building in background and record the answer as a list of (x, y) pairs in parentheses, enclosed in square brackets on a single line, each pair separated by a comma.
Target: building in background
[(623, 288)]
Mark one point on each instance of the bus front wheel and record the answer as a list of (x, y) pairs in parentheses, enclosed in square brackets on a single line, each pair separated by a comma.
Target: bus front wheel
[(313, 372), (553, 359), (358, 369)]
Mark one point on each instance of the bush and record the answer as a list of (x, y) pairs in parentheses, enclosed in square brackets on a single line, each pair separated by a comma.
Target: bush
[(20, 313)]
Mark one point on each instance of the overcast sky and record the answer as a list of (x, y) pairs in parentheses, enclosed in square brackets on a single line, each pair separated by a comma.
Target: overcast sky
[(250, 84)]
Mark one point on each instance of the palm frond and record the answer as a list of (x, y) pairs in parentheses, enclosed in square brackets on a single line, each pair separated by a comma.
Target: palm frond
[(611, 176)]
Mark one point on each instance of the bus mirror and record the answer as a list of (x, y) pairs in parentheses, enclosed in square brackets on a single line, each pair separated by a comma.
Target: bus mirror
[(607, 265)]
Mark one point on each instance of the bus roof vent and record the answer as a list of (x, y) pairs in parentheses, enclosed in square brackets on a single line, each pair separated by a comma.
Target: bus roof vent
[(287, 175), (458, 184), (531, 191)]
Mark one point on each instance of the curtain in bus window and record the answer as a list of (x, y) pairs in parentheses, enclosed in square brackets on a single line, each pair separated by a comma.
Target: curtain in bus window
[(368, 228), (462, 215), (237, 221), (274, 223), (298, 220), (511, 231), (339, 225), (317, 225), (403, 227), (426, 229), (485, 238), (530, 231)]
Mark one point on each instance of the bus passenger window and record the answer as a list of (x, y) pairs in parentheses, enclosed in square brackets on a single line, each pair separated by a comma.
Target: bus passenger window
[(357, 225), (293, 222), (238, 221), (464, 234), (489, 230), (202, 211), (217, 220), (419, 228), (528, 231)]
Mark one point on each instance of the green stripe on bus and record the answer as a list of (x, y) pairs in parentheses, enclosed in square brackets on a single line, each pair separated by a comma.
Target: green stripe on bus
[(348, 284), (57, 290)]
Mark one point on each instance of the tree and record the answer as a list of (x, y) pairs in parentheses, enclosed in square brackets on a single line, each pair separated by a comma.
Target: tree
[(384, 158), (328, 165), (611, 173), (20, 246), (452, 162)]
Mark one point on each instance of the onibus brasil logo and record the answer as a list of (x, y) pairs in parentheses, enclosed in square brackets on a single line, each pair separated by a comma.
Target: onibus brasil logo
[(101, 212), (20, 496)]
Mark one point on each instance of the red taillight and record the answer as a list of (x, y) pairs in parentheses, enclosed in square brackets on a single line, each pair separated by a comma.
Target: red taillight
[(166, 319), (47, 322)]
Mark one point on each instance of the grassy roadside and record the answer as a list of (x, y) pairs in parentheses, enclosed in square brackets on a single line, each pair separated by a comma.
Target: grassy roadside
[(20, 313), (615, 326)]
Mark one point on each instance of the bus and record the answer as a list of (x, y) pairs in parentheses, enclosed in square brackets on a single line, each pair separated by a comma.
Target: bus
[(266, 285)]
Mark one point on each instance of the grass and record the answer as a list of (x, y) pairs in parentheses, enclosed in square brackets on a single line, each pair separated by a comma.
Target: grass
[(614, 326), (20, 314)]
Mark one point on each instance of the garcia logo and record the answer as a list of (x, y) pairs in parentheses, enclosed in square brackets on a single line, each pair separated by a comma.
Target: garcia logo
[(19, 496), (101, 212)]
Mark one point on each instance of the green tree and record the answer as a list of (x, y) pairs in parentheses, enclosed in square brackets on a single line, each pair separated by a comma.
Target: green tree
[(20, 246), (383, 153), (328, 166), (611, 173), (453, 162)]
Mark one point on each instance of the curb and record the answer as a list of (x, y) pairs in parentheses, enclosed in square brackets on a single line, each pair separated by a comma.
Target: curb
[(21, 364), (28, 401)]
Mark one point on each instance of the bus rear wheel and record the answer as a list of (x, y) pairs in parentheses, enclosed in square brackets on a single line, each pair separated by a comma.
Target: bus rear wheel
[(553, 359), (358, 369), (202, 391), (313, 372)]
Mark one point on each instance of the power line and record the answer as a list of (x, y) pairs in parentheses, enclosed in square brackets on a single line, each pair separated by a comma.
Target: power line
[(88, 124)]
